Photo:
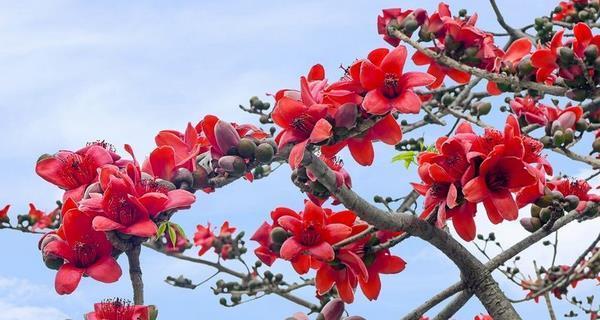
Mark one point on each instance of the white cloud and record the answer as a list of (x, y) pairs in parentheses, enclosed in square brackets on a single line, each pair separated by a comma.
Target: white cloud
[(22, 300)]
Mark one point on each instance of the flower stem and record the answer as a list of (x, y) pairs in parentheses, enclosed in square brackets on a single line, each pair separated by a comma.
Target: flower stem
[(135, 273)]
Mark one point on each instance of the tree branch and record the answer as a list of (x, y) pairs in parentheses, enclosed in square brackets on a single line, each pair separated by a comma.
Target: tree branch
[(495, 77)]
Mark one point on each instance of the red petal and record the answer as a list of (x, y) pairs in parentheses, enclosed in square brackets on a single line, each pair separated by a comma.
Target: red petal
[(464, 224), (101, 223), (376, 56), (321, 131), (323, 251), (154, 202), (407, 102), (317, 72), (415, 79), (325, 279), (492, 88), (105, 270), (543, 58), (361, 150), (371, 76), (387, 130), (505, 204), (67, 278), (420, 58), (583, 33), (301, 264), (476, 190), (459, 76), (336, 232), (492, 212), (517, 50), (179, 199), (376, 103), (297, 154), (145, 228), (394, 61), (162, 160), (290, 249), (372, 287)]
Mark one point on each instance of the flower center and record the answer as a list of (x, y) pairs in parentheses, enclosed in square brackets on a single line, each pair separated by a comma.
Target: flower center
[(85, 254), (304, 123), (439, 190), (391, 85), (122, 211), (310, 236), (117, 309), (76, 171), (497, 180)]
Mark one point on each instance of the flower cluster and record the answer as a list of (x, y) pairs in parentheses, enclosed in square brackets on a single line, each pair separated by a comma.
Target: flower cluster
[(310, 240), (324, 114), (213, 148), (103, 193), (468, 169), (573, 11), (224, 244)]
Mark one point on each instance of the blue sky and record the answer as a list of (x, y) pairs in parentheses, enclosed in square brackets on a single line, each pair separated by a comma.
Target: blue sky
[(74, 72)]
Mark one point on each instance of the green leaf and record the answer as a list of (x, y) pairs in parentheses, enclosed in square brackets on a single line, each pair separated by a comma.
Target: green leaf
[(180, 229), (172, 234), (407, 156), (161, 229)]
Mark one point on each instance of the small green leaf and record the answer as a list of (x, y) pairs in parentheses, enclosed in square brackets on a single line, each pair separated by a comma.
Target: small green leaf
[(180, 229), (172, 234), (407, 156), (161, 229)]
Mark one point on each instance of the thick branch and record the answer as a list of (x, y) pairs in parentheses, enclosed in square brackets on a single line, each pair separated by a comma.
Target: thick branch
[(476, 277), (434, 301)]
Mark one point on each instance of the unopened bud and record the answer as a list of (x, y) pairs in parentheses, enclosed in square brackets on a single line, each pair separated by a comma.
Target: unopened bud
[(558, 138), (200, 178), (531, 224), (345, 115), (572, 201), (264, 153), (232, 164), (596, 145), (279, 235), (591, 52), (566, 55), (525, 67), (246, 148), (483, 108), (226, 136), (333, 310), (183, 178), (535, 211)]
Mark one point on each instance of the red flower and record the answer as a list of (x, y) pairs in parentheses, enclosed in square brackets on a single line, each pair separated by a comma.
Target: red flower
[(508, 61), (544, 59), (567, 9), (312, 237), (566, 118), (39, 219), (386, 130), (381, 262), (343, 273), (532, 111), (388, 87), (498, 176), (4, 213), (85, 251), (205, 237), (265, 252), (222, 135), (483, 317), (73, 171), (129, 203), (397, 17), (179, 244), (579, 188), (118, 309)]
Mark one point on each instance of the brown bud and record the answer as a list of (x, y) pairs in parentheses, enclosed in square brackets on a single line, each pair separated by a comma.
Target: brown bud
[(333, 310), (232, 164), (279, 235), (264, 153), (183, 178), (531, 224), (200, 178), (246, 148)]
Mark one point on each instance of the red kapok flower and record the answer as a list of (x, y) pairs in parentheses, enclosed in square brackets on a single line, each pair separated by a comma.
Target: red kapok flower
[(544, 59), (85, 251), (343, 273), (385, 130), (4, 213), (498, 176), (508, 61), (528, 108), (118, 309), (483, 317), (73, 171), (312, 237), (566, 9), (205, 237), (39, 219), (381, 262), (388, 87)]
